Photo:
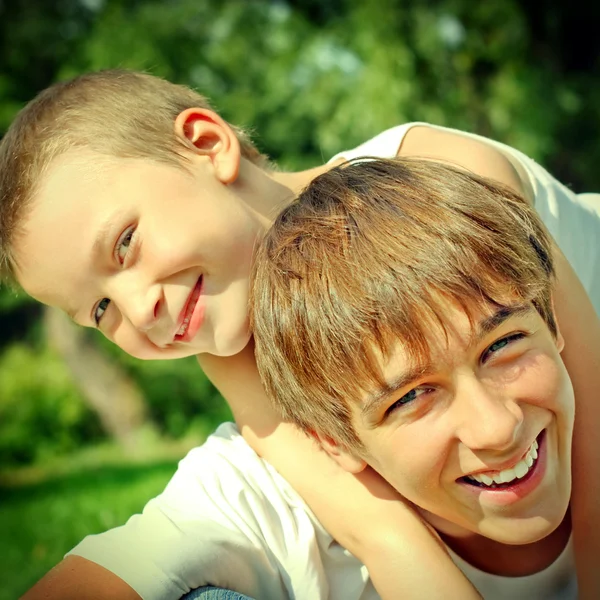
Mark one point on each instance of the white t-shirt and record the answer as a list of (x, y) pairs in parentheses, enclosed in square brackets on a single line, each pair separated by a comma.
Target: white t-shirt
[(556, 582), (227, 518)]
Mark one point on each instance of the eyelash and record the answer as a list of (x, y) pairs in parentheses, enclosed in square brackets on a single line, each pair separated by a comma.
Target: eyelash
[(126, 237), (403, 402), (421, 390), (513, 337), (103, 304)]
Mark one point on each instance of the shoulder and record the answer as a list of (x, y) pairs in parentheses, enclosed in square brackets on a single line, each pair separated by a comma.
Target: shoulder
[(224, 475), (212, 524), (473, 153)]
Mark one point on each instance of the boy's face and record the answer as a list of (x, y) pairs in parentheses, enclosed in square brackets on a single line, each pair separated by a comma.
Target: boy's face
[(494, 404), (156, 257)]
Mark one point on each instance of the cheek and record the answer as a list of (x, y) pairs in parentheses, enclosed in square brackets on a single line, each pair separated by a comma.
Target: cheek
[(132, 343), (413, 461), (546, 383), (170, 249)]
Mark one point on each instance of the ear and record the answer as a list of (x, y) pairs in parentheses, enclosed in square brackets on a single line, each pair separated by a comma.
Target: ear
[(207, 134), (560, 340), (345, 458)]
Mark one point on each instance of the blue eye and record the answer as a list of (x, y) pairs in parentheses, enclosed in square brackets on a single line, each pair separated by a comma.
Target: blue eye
[(100, 310), (500, 344)]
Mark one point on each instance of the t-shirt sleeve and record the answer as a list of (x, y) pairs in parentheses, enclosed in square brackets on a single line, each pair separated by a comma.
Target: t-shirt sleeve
[(574, 222), (207, 527)]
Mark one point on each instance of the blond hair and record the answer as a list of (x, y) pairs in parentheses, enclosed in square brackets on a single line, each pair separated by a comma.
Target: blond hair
[(371, 253), (118, 113)]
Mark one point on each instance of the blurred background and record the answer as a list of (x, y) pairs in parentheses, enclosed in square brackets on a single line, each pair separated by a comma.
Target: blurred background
[(87, 434)]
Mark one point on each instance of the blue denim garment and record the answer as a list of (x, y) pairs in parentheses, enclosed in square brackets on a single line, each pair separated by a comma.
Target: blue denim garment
[(213, 593)]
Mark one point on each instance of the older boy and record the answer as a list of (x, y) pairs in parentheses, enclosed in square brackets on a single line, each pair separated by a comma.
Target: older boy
[(403, 315)]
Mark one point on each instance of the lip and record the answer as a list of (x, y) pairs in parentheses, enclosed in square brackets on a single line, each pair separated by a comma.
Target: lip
[(507, 464), (192, 310), (521, 487)]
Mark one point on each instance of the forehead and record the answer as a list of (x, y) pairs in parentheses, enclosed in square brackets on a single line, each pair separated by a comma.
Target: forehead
[(458, 327), (58, 224), (445, 343)]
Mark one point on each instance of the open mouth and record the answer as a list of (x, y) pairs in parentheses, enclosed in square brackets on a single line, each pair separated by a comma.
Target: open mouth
[(187, 315), (508, 478)]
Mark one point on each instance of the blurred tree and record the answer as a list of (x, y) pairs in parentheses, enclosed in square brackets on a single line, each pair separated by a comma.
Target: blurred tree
[(111, 394), (313, 77)]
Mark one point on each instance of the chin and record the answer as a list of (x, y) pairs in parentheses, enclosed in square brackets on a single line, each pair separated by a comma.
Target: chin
[(232, 344), (521, 532)]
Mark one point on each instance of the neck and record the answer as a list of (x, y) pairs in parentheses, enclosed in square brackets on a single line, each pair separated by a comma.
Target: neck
[(269, 192), (236, 377), (510, 560)]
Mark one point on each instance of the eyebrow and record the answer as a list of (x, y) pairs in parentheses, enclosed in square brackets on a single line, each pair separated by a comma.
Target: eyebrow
[(494, 321), (373, 403), (375, 400), (103, 233)]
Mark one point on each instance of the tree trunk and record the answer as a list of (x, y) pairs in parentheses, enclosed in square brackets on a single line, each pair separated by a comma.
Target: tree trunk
[(109, 392)]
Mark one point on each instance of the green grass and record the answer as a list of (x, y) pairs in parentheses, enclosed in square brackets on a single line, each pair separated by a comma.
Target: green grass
[(40, 521)]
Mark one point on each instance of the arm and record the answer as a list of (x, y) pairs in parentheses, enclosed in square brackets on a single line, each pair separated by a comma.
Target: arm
[(580, 327), (363, 513), (76, 578)]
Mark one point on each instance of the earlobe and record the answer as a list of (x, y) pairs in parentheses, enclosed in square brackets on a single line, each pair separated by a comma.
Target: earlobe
[(560, 340), (207, 134), (345, 458)]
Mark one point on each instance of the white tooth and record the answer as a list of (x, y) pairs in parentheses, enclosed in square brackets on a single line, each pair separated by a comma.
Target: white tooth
[(508, 475), (183, 327), (521, 469), (486, 479), (518, 471)]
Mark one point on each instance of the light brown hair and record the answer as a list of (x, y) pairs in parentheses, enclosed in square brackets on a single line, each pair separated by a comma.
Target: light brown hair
[(118, 113), (370, 253)]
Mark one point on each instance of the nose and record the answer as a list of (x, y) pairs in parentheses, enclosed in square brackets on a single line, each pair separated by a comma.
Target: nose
[(489, 418), (137, 300)]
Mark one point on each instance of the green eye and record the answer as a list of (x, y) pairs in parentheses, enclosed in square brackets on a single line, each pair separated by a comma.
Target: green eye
[(100, 310), (409, 397), (123, 244), (500, 344)]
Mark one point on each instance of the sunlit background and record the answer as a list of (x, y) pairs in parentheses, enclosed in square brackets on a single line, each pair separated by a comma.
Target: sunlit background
[(87, 434)]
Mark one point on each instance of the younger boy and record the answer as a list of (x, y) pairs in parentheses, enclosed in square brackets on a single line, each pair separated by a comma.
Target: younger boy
[(402, 314)]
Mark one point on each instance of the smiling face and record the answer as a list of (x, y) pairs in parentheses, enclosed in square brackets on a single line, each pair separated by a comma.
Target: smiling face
[(158, 258), (479, 437), (410, 327)]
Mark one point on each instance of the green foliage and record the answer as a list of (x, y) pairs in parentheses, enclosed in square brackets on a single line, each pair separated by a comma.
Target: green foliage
[(311, 77), (41, 413), (41, 522), (181, 399), (11, 299)]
